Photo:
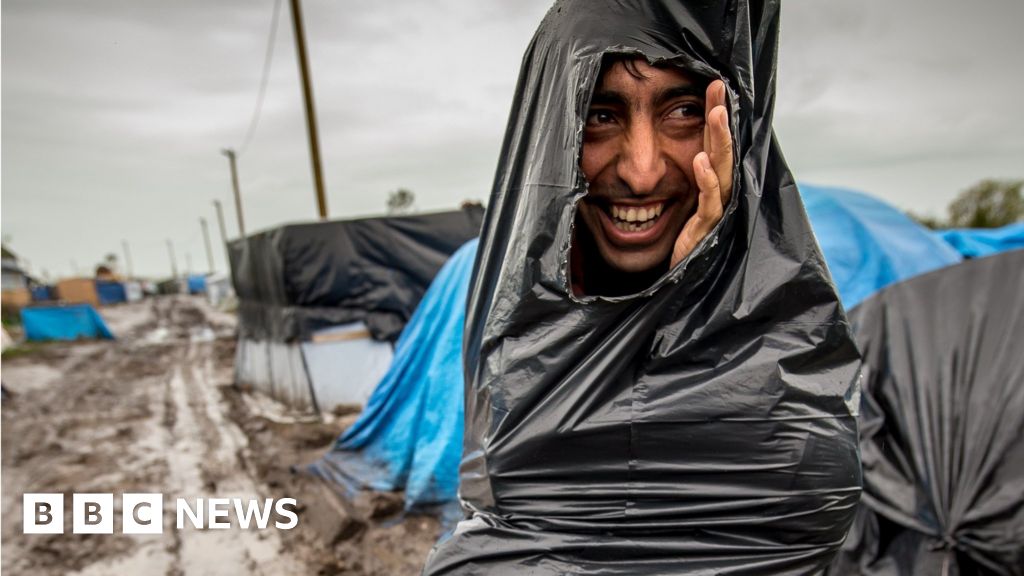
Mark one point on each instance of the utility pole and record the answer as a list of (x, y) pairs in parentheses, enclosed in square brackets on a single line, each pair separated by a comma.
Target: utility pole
[(220, 222), (206, 239), (307, 94), (174, 261), (223, 235), (127, 259), (234, 183)]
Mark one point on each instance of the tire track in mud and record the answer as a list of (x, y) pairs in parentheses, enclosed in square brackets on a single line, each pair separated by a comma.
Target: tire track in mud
[(142, 414)]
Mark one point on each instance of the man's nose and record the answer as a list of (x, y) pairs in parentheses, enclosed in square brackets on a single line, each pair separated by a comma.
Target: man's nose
[(641, 164)]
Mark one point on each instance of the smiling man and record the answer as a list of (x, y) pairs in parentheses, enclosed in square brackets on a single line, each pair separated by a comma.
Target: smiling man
[(659, 377), (657, 155)]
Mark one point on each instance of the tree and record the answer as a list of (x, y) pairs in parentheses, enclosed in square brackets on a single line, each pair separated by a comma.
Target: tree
[(400, 201), (988, 204)]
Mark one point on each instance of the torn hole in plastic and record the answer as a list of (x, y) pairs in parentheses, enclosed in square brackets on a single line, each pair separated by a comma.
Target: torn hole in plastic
[(641, 129)]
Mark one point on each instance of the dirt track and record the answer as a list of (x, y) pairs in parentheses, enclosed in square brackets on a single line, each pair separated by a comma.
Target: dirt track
[(154, 411)]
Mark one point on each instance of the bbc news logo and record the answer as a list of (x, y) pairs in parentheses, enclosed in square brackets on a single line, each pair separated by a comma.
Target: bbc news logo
[(144, 513)]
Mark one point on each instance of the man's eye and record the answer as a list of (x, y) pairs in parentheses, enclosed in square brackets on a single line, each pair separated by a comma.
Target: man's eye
[(600, 117), (687, 111)]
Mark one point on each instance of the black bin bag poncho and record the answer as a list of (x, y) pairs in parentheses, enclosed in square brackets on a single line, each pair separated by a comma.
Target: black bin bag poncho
[(705, 425)]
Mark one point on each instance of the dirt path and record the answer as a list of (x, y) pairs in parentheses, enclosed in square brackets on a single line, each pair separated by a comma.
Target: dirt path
[(141, 414), (155, 412)]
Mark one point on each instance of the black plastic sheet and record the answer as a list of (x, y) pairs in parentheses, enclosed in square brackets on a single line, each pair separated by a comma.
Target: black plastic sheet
[(295, 279), (942, 424), (703, 426)]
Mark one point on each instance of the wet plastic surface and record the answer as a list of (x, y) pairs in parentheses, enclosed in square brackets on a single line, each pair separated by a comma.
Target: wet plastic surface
[(705, 425), (296, 279), (942, 424)]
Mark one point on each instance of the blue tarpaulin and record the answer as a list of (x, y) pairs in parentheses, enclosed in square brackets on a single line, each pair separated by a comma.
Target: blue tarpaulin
[(42, 293), (978, 242), (410, 434), (196, 284), (869, 244), (110, 292), (63, 323)]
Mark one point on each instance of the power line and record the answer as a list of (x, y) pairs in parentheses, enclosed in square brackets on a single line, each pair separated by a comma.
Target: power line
[(268, 59)]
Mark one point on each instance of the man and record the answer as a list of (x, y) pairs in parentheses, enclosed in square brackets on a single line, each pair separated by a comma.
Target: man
[(659, 376), (658, 159)]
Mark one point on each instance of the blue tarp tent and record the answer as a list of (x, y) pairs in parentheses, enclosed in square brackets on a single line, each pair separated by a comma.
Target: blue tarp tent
[(43, 293), (63, 323), (110, 292), (978, 242), (196, 284), (869, 244), (410, 434)]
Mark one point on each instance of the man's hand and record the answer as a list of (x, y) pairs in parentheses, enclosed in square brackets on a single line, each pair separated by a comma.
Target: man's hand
[(712, 169)]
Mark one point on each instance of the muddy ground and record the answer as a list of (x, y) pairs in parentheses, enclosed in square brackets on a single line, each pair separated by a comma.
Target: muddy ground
[(156, 411)]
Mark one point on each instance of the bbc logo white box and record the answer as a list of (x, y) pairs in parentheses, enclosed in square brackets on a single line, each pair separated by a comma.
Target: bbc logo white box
[(43, 513), (92, 513), (142, 513)]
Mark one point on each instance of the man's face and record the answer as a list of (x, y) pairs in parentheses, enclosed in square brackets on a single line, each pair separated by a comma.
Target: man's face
[(643, 129)]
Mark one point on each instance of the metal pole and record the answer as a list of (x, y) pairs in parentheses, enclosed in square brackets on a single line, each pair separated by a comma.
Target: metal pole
[(234, 183), (174, 261), (307, 94), (127, 259), (206, 240), (223, 235)]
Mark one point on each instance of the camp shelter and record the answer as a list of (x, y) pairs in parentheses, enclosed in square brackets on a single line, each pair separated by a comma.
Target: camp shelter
[(869, 244), (409, 437), (70, 322), (133, 291), (218, 288), (344, 288), (78, 291), (111, 292), (942, 424), (977, 242), (403, 439), (43, 293), (196, 283)]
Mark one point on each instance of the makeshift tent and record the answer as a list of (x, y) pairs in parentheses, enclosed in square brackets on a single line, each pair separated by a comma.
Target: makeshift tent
[(942, 424), (111, 292), (43, 293), (976, 242), (869, 244), (196, 284), (298, 284), (218, 288), (133, 291), (72, 322), (409, 437), (378, 452), (78, 291)]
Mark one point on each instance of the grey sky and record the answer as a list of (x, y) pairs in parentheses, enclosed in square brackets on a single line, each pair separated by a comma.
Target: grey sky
[(114, 112)]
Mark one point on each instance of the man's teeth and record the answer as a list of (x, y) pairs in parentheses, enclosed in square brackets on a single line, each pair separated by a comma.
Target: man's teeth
[(634, 219)]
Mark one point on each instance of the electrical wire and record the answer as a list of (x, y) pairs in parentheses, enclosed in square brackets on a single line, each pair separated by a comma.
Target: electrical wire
[(268, 59)]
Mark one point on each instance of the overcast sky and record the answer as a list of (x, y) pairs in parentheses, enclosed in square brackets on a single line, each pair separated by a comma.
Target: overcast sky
[(114, 112)]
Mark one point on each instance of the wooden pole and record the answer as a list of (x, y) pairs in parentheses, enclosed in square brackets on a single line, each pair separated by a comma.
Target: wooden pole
[(307, 95), (234, 184)]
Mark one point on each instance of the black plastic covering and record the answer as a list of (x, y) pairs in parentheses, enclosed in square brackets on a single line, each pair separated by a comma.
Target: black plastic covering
[(942, 424), (703, 426), (295, 279)]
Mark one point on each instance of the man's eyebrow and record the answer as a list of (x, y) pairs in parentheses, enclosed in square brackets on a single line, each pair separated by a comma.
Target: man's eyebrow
[(681, 91), (606, 97)]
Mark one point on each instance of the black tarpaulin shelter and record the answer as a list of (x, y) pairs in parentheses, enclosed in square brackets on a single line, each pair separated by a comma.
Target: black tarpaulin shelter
[(297, 281), (942, 424), (705, 425)]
